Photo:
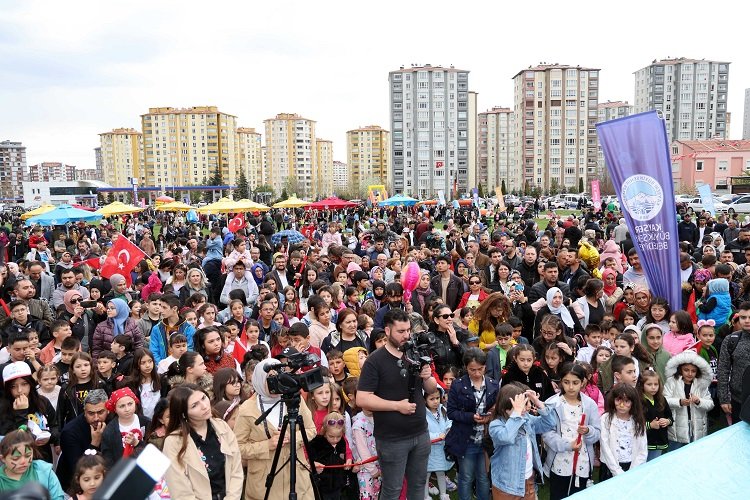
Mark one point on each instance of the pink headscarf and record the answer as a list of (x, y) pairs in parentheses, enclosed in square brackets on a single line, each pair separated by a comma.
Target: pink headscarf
[(67, 298), (609, 290)]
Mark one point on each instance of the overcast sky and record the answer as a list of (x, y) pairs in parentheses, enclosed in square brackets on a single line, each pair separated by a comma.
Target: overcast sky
[(71, 70)]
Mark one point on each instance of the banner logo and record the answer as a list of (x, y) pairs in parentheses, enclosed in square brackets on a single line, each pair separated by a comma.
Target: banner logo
[(643, 197)]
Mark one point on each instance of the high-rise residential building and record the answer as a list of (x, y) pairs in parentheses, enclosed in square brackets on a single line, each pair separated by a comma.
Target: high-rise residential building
[(431, 126), (291, 153), (323, 176), (555, 108), (250, 151), (121, 152), (496, 151), (12, 169), (367, 155), (86, 174), (184, 146), (341, 177), (50, 171), (746, 116), (691, 95), (99, 164), (606, 111)]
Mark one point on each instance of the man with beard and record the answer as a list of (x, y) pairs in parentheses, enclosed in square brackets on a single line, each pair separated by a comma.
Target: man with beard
[(398, 408)]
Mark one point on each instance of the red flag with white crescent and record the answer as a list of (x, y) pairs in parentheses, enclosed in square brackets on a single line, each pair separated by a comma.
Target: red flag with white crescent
[(122, 259), (240, 347)]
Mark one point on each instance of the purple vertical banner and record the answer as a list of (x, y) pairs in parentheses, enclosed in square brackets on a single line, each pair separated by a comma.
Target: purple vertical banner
[(637, 154)]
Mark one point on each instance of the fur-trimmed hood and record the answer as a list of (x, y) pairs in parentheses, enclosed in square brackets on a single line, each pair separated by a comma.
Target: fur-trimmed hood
[(704, 370)]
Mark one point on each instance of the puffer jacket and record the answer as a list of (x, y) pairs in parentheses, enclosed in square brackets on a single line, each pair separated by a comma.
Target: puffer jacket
[(105, 334), (687, 429)]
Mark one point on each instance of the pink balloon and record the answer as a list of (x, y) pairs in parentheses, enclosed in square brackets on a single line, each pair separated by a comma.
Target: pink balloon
[(410, 279)]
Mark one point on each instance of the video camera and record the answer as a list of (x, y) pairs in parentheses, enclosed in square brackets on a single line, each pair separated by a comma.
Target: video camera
[(289, 383), (418, 351)]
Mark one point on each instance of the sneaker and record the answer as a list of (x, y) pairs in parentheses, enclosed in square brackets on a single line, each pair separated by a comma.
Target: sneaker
[(432, 489), (450, 485)]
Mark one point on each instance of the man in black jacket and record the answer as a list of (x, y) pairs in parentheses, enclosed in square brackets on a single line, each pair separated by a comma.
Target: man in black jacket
[(83, 432), (447, 285), (549, 279), (528, 267)]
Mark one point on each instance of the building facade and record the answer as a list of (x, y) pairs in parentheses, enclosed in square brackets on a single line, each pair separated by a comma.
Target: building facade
[(323, 173), (188, 146), (606, 111), (710, 162), (12, 170), (99, 164), (746, 116), (368, 154), (291, 153), (555, 109), (496, 153), (121, 153), (86, 174), (691, 95), (430, 127), (51, 171), (341, 177), (250, 152)]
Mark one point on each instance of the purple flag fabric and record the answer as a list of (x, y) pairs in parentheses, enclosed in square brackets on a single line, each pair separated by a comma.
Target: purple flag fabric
[(639, 163)]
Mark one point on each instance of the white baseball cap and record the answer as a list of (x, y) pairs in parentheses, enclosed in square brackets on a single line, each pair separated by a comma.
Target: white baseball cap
[(15, 370)]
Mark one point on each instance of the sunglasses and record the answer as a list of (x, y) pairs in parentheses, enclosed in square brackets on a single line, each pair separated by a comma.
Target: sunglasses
[(445, 316), (76, 300), (475, 282), (340, 421)]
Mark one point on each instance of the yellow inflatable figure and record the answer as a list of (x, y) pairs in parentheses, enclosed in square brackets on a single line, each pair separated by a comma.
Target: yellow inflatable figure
[(590, 256)]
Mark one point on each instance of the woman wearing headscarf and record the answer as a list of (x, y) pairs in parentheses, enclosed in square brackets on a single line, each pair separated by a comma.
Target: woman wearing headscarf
[(118, 322), (642, 302), (423, 294), (611, 249), (258, 274), (196, 283), (555, 306), (612, 293), (119, 289), (258, 442), (82, 322)]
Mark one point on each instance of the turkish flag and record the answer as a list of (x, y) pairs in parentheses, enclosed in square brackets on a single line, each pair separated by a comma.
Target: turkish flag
[(122, 258), (240, 347), (93, 262)]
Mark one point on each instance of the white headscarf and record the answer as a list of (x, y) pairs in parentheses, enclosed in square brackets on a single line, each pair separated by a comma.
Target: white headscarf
[(261, 389), (561, 311)]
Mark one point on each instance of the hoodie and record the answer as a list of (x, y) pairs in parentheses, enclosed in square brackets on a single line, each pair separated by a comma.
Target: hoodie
[(691, 421)]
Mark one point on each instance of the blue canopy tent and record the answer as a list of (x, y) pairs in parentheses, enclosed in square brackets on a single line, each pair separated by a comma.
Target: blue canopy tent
[(62, 215), (715, 466), (398, 200)]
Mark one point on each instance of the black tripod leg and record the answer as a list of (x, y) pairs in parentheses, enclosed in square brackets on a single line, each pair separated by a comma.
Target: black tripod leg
[(306, 445), (274, 470)]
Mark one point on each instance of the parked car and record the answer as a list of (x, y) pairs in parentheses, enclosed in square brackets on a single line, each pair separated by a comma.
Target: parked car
[(697, 205), (740, 205)]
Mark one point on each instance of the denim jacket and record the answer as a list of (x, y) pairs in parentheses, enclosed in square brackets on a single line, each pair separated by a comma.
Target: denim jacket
[(509, 460), (553, 440)]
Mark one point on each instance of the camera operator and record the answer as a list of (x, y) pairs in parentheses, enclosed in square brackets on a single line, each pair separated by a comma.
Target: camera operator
[(401, 436), (445, 347)]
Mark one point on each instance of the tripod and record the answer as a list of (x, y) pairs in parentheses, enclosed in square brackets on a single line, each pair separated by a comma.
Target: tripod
[(291, 420)]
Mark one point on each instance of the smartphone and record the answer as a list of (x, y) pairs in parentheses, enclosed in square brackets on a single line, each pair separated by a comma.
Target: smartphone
[(88, 304)]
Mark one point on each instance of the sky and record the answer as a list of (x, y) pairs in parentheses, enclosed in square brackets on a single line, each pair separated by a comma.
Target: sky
[(72, 70)]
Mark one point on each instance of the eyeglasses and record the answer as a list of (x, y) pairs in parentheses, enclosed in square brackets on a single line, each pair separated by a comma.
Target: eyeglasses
[(336, 422), (445, 316)]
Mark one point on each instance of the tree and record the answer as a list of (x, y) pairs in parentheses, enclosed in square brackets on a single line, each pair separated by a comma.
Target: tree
[(480, 190), (217, 180), (294, 186), (580, 184), (554, 187), (100, 199), (196, 195), (243, 189)]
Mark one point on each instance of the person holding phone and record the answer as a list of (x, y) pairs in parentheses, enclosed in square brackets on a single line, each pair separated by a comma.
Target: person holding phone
[(470, 401)]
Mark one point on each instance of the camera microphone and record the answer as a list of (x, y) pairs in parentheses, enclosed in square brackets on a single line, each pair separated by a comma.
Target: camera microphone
[(273, 367)]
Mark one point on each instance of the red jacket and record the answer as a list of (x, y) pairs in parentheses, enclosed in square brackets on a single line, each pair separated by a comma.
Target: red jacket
[(482, 295)]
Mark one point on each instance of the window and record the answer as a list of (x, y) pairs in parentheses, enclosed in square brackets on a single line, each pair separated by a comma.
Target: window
[(723, 165), (699, 166)]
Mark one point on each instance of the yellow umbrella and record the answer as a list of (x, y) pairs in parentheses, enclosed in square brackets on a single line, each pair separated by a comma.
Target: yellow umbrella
[(175, 206), (292, 202), (223, 206), (38, 211), (118, 208), (245, 205)]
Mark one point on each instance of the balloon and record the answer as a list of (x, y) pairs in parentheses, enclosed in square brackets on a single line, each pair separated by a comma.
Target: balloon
[(236, 224), (410, 279)]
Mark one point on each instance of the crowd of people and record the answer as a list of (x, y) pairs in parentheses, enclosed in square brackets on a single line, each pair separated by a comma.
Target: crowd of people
[(543, 356)]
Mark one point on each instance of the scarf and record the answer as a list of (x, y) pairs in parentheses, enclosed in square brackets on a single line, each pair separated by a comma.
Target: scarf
[(123, 311), (609, 290), (422, 294), (265, 398), (561, 311), (68, 297), (258, 281)]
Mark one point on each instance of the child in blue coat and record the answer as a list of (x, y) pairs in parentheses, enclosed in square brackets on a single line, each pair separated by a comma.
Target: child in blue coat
[(513, 431), (438, 426)]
